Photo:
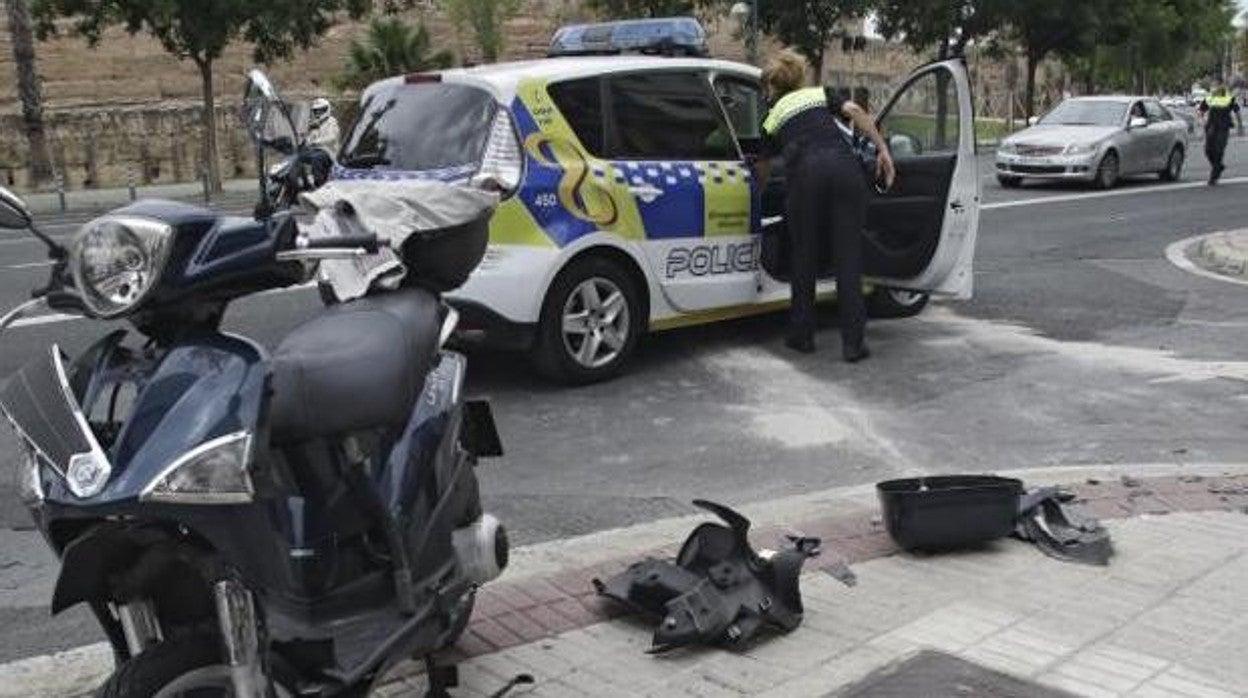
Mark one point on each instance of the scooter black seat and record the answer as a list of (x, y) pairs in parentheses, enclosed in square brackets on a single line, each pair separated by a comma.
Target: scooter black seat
[(358, 365)]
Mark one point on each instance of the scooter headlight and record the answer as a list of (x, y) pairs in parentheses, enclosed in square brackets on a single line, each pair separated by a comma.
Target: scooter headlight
[(116, 260), (216, 472)]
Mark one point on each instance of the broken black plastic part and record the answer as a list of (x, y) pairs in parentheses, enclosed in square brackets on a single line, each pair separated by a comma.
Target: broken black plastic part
[(719, 591), (1058, 532)]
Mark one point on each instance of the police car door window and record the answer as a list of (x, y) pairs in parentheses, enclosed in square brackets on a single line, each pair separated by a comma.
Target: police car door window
[(743, 104), (666, 116), (925, 117), (580, 102)]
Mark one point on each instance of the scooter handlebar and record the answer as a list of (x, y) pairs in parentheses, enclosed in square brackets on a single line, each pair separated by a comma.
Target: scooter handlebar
[(368, 241)]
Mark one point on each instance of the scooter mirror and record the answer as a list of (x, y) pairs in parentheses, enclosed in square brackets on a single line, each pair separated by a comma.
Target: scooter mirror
[(13, 212)]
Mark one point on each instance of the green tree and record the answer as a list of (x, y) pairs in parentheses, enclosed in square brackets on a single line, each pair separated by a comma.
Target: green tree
[(1144, 44), (807, 26), (200, 30), (391, 47), (631, 9), (1050, 27), (21, 36), (484, 19), (947, 25)]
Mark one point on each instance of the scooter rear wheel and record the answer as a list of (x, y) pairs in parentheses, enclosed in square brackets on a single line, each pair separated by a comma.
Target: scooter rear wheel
[(188, 667)]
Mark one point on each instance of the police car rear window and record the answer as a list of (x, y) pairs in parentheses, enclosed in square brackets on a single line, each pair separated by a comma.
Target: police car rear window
[(580, 102), (420, 127), (667, 116)]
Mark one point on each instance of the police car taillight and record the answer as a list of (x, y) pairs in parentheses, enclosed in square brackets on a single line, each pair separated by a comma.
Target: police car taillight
[(502, 166)]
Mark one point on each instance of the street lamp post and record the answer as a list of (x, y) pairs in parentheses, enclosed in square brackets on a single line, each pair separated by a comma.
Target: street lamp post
[(745, 12)]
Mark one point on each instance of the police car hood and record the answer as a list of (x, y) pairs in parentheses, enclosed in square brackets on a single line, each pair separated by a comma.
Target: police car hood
[(393, 211)]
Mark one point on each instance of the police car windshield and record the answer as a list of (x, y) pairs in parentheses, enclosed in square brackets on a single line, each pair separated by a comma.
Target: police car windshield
[(419, 128), (1086, 113)]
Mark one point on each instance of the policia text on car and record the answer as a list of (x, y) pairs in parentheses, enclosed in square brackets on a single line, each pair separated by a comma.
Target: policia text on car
[(827, 196)]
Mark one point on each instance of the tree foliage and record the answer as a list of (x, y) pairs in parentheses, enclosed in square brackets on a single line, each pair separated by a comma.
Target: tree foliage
[(1042, 28), (807, 26), (391, 47), (200, 31), (484, 19), (948, 25), (631, 9)]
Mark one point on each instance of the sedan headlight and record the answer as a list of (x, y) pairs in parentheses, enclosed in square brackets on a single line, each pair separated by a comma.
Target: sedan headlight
[(216, 472), (116, 260), (1008, 148), (1080, 148)]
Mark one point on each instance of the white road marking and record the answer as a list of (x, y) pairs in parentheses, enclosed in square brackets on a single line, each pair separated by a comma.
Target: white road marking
[(1105, 194), (31, 265), (1159, 366), (62, 317), (1177, 254)]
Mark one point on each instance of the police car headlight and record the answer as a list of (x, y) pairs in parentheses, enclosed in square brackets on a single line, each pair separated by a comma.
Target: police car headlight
[(216, 472), (1080, 148), (116, 260)]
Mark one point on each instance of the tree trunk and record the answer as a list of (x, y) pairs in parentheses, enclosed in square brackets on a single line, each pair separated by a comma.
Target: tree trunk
[(28, 91), (816, 64), (209, 124), (1030, 94)]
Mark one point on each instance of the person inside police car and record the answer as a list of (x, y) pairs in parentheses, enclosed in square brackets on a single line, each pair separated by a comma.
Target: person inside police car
[(827, 196)]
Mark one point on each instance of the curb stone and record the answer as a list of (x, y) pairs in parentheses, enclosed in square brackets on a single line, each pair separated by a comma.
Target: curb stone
[(1224, 253)]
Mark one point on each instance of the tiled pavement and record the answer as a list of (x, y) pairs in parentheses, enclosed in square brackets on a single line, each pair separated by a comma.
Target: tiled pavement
[(1168, 617)]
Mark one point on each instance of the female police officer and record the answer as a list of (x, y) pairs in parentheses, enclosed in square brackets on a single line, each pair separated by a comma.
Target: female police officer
[(827, 197)]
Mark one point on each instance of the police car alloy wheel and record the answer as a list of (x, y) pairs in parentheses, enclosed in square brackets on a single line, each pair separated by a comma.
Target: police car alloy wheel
[(590, 322), (888, 303)]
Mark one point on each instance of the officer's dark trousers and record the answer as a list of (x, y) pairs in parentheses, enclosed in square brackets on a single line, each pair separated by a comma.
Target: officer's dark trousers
[(1215, 146), (827, 203)]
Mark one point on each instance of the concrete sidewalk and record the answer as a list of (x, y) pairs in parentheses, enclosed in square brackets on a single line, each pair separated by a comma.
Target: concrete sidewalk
[(1167, 617)]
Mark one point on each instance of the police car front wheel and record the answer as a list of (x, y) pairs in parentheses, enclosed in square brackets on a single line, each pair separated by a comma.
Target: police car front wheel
[(590, 322)]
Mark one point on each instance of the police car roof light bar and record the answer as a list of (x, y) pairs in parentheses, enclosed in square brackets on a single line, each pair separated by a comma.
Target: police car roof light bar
[(669, 36)]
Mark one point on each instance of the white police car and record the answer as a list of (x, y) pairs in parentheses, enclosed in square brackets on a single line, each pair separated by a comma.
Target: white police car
[(629, 202)]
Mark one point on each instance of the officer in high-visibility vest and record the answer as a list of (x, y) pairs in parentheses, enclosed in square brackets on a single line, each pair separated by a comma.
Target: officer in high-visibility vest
[(1216, 111), (827, 196)]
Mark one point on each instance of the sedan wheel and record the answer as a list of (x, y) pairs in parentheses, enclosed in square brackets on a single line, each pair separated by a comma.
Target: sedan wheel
[(1174, 166), (1107, 173)]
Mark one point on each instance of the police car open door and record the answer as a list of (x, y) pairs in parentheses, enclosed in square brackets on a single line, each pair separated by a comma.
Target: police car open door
[(920, 235)]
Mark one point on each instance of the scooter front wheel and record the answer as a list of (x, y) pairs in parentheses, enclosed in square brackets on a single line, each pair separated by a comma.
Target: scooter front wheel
[(181, 668)]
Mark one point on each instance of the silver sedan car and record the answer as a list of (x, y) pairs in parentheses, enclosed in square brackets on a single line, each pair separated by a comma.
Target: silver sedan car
[(1096, 140)]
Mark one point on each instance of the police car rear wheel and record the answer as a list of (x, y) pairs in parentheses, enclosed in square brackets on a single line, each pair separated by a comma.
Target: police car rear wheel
[(590, 322), (887, 303)]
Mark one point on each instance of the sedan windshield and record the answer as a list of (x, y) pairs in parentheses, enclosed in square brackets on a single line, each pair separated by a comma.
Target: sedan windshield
[(1086, 113)]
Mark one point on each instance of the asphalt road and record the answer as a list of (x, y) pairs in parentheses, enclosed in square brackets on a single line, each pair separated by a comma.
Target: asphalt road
[(1083, 345)]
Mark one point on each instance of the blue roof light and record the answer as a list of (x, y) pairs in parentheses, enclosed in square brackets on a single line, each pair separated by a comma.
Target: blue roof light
[(671, 36)]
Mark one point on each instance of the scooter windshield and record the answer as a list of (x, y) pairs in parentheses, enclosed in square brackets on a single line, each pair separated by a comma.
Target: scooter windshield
[(38, 403)]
